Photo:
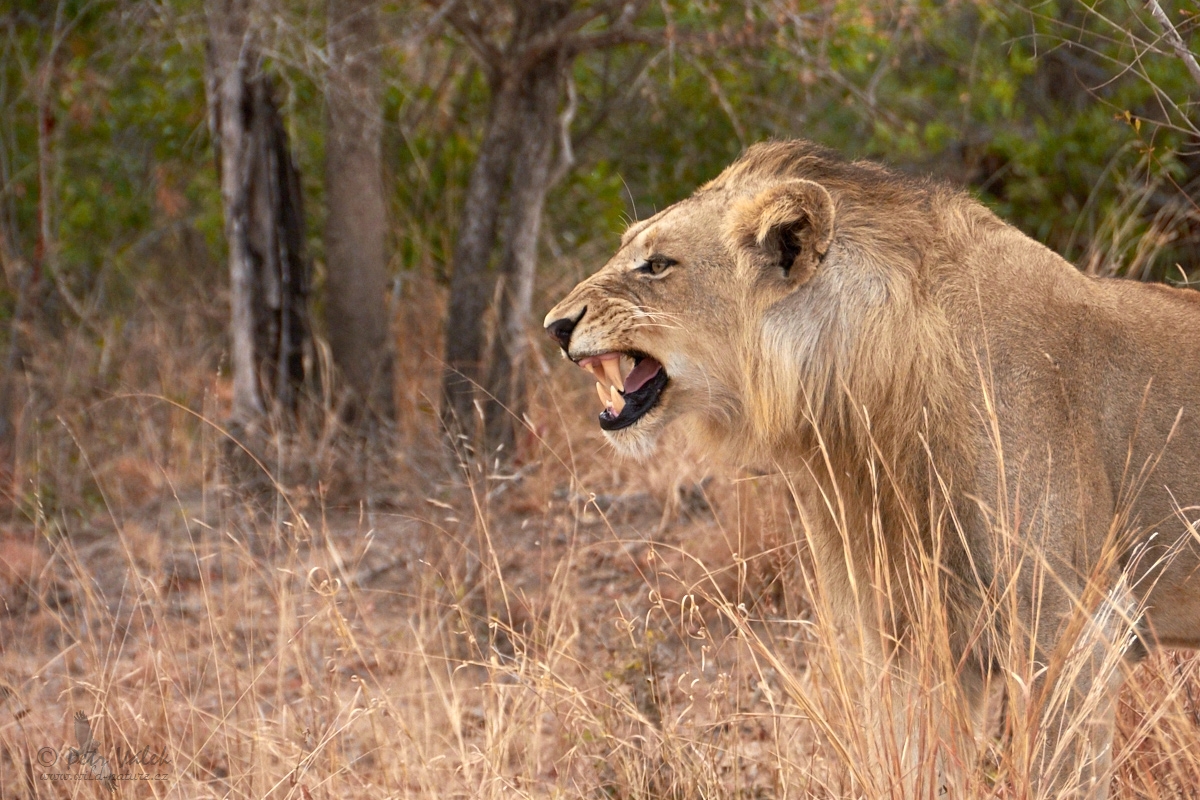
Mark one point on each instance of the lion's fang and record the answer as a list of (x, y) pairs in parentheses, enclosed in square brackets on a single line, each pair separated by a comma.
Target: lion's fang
[(618, 402), (612, 369)]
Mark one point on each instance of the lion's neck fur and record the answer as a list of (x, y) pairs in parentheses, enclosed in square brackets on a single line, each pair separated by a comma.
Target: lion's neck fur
[(857, 380), (863, 361)]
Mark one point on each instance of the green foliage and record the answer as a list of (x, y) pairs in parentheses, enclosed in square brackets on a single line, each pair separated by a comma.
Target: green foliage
[(122, 102), (434, 108), (1054, 113), (1034, 108)]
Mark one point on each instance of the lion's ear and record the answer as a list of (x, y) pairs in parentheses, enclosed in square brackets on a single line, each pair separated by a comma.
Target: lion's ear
[(786, 229)]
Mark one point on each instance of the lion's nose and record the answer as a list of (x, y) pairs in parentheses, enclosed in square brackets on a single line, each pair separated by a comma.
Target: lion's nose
[(560, 329)]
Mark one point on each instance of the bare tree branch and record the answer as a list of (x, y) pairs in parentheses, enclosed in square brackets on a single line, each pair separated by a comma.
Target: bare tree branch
[(614, 37), (620, 31), (1175, 40), (549, 40), (561, 34), (462, 20), (435, 20), (566, 154), (567, 38)]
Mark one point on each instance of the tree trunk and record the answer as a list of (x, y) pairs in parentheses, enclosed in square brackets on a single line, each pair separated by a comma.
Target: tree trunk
[(264, 221), (531, 178), (231, 59), (471, 284), (356, 221), (274, 228), (513, 164)]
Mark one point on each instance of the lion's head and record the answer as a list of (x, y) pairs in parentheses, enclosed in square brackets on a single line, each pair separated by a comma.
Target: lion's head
[(738, 309)]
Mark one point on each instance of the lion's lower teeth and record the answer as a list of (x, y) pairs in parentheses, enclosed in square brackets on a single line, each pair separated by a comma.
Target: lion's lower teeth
[(610, 380), (618, 402), (600, 390)]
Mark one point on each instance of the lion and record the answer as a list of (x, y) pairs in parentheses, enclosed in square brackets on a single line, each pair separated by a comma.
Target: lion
[(946, 391)]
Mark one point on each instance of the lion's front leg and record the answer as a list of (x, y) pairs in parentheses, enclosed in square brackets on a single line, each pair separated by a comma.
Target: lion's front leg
[(1064, 683), (936, 725), (919, 697)]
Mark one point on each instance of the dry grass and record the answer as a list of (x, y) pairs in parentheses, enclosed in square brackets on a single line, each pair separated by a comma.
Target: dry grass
[(573, 628)]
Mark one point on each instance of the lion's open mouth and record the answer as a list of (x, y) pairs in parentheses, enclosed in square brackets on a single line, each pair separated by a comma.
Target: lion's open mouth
[(629, 385)]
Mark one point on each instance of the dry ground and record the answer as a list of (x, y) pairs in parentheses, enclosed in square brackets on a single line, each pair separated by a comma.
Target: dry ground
[(567, 627)]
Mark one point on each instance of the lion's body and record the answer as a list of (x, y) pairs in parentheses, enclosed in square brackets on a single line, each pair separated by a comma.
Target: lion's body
[(1097, 398), (923, 367)]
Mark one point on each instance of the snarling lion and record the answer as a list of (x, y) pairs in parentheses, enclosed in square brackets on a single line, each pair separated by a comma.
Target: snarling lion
[(945, 391)]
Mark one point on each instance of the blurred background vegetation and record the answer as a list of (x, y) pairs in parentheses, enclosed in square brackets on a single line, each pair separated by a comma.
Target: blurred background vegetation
[(308, 589), (1073, 119)]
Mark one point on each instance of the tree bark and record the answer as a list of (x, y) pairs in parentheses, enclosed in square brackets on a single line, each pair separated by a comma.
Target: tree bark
[(356, 216), (231, 60), (513, 164), (264, 220), (471, 284), (274, 228), (531, 180)]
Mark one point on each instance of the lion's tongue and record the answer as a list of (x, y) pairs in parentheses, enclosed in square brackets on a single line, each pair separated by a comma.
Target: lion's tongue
[(645, 369)]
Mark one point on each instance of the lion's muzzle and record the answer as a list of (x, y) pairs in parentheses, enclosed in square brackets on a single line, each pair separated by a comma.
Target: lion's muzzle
[(629, 384)]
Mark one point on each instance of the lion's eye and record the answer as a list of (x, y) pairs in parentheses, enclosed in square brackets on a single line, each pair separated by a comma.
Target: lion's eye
[(656, 265)]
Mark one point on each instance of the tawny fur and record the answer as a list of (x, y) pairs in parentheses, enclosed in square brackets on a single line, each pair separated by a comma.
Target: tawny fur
[(964, 393)]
